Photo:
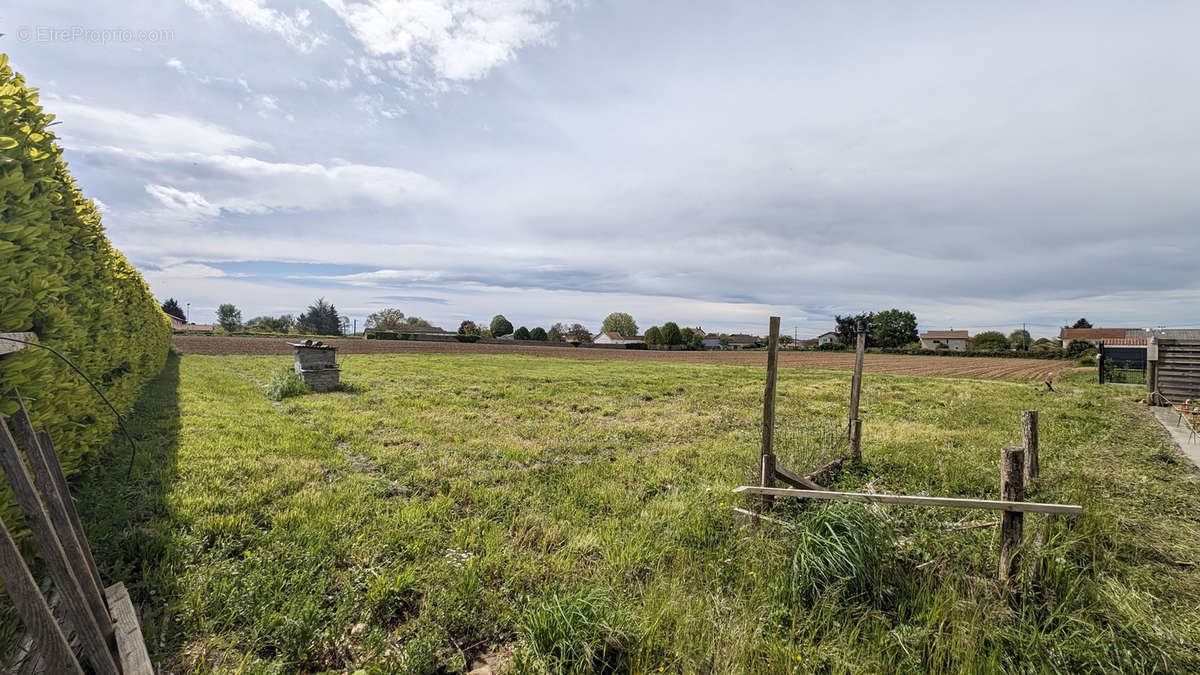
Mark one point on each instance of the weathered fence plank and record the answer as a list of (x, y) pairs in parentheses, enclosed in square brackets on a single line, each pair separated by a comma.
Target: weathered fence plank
[(39, 621), (135, 660), (77, 610), (52, 498)]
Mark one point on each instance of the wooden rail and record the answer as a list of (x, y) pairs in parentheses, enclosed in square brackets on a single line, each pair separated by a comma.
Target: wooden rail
[(914, 500)]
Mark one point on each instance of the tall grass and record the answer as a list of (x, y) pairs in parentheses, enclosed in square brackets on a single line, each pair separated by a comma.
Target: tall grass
[(285, 384), (844, 551)]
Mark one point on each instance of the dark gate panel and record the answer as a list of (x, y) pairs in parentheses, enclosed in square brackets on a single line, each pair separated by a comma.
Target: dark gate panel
[(1179, 369), (1124, 364)]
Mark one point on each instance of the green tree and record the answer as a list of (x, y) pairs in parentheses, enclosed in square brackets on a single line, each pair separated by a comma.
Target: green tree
[(578, 333), (416, 321), (521, 333), (538, 333), (653, 336), (172, 307), (229, 317), (893, 328), (320, 319), (671, 335), (271, 324), (1020, 340), (500, 326), (388, 318), (846, 328), (696, 341), (621, 324), (557, 332), (468, 327), (1082, 323), (685, 336), (989, 341), (1078, 347)]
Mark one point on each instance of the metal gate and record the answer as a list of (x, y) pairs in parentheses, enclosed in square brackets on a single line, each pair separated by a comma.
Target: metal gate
[(1122, 364)]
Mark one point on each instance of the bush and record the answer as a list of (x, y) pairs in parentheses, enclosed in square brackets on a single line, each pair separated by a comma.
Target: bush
[(287, 383), (62, 279), (467, 338), (1087, 360)]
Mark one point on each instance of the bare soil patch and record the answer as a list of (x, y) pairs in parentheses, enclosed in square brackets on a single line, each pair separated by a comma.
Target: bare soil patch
[(888, 364)]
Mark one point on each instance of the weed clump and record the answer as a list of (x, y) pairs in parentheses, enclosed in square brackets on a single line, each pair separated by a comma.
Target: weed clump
[(843, 550), (584, 632), (286, 383)]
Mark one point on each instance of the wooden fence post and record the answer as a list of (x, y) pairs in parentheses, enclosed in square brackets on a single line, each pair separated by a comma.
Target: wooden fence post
[(1152, 371), (1029, 440), (1012, 489), (855, 428), (767, 467)]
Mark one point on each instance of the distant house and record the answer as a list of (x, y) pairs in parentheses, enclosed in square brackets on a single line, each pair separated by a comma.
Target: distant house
[(826, 338), (954, 340), (615, 338), (743, 341), (711, 341), (179, 323)]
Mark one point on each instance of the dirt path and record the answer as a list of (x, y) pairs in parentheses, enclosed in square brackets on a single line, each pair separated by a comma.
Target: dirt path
[(932, 366)]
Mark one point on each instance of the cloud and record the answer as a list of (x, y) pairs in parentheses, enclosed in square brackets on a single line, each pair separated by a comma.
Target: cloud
[(296, 29), (251, 186), (91, 127), (460, 40), (186, 205), (176, 65)]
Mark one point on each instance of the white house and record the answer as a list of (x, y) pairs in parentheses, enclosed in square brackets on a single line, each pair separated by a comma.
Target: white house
[(615, 338), (955, 340), (826, 338), (711, 341)]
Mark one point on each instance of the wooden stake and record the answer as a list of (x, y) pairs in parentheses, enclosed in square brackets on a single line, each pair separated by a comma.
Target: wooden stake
[(1029, 440), (1012, 489), (767, 465), (855, 426)]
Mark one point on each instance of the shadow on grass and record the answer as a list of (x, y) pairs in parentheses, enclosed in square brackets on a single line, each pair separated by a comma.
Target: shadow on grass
[(124, 512)]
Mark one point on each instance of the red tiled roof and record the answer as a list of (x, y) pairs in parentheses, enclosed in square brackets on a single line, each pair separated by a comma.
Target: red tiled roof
[(945, 335), (1118, 342), (1092, 333)]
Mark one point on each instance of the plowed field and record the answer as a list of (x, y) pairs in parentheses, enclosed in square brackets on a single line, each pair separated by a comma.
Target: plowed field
[(891, 364)]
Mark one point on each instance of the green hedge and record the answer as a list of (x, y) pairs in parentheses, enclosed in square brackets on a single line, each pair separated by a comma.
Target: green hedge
[(1048, 356), (62, 279)]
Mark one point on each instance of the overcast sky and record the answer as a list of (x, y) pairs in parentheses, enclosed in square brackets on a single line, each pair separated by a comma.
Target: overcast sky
[(983, 164)]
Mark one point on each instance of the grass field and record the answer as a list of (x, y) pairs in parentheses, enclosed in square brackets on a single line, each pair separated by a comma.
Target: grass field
[(560, 515)]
